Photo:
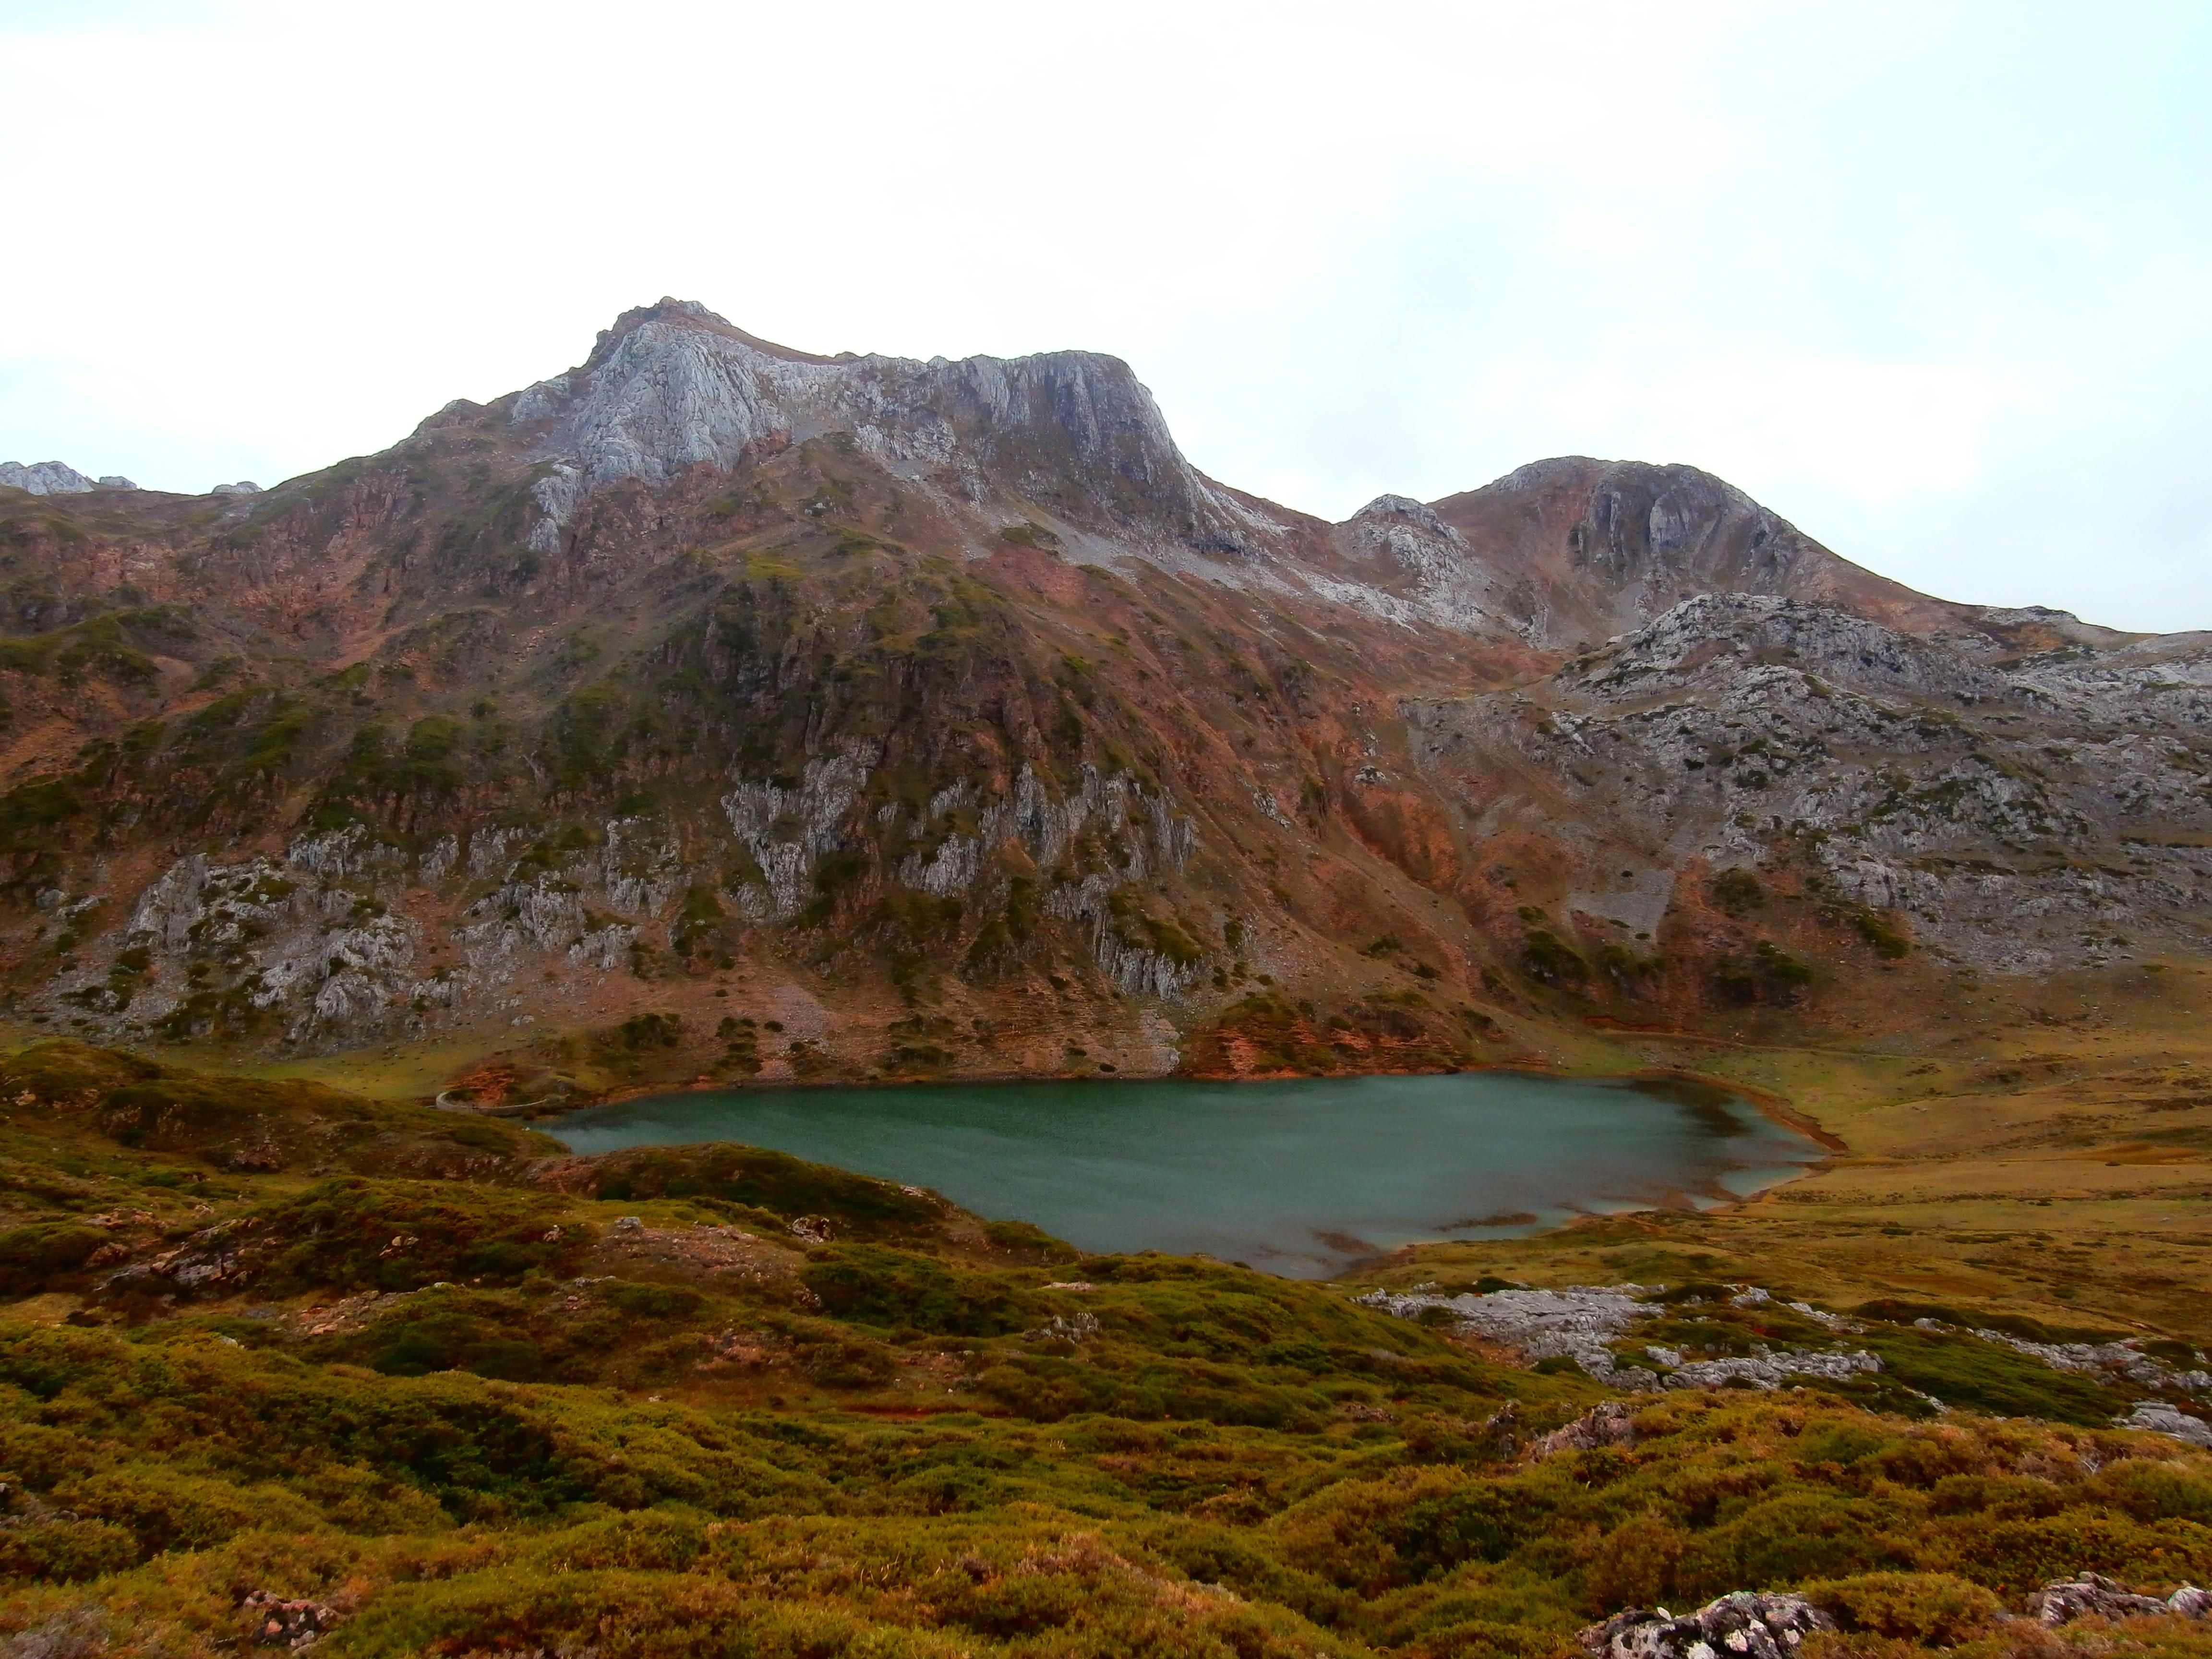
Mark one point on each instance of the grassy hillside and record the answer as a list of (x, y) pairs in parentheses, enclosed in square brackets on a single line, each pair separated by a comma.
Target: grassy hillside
[(2049, 1160), (460, 1393)]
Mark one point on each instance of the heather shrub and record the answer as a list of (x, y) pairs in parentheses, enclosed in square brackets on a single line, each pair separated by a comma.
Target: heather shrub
[(1930, 1609), (875, 1285), (34, 1257)]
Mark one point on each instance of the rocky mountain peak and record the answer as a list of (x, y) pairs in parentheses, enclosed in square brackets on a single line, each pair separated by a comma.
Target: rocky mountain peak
[(682, 313), (55, 478), (1408, 549), (1601, 547), (1068, 435)]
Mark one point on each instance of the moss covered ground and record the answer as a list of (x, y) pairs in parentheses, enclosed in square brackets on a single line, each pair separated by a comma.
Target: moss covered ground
[(267, 1338)]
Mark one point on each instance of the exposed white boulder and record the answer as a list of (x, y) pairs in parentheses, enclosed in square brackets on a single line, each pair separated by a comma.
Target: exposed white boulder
[(1744, 1626), (2157, 1417), (2093, 1595)]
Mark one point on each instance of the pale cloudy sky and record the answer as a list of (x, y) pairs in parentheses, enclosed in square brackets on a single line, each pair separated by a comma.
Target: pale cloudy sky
[(1932, 279)]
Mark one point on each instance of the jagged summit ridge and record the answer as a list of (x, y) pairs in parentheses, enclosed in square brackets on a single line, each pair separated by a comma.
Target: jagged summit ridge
[(56, 478), (674, 387), (1564, 552)]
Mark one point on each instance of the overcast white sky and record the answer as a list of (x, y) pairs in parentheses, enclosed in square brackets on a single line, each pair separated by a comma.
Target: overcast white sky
[(1933, 280)]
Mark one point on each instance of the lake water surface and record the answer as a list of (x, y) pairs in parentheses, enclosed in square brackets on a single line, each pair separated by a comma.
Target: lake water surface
[(1301, 1178)]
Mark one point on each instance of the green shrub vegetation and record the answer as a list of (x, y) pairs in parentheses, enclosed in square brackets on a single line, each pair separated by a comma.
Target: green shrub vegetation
[(483, 1399)]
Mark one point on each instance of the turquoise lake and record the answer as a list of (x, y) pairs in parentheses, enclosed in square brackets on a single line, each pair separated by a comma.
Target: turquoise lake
[(1301, 1178)]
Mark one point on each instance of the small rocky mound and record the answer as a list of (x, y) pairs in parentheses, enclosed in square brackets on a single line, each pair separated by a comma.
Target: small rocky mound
[(1608, 1423), (56, 478), (2093, 1595), (1756, 1625), (2158, 1417), (293, 1623), (1575, 1323), (1581, 1322)]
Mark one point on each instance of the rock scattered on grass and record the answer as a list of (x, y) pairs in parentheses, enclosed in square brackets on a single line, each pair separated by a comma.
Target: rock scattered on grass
[(296, 1624), (2093, 1595), (1575, 1323), (1580, 1321), (2156, 1417), (1747, 1623), (1608, 1423), (1763, 1368), (2087, 1358)]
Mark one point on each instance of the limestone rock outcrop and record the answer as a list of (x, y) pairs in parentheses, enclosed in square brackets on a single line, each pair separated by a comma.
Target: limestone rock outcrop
[(54, 478), (1753, 1624), (2093, 1595), (673, 386)]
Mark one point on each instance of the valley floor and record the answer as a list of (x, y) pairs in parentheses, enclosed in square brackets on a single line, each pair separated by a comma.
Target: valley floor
[(2057, 1166), (286, 1366)]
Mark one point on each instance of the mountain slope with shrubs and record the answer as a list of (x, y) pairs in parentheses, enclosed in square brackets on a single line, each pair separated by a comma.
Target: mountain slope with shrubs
[(717, 709)]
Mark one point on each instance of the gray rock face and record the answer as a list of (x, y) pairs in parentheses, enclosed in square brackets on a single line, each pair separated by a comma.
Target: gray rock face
[(2093, 1595), (1754, 1626), (2024, 814), (2122, 1361), (53, 479), (1664, 529), (1589, 549), (243, 487), (317, 939), (1585, 1322), (1071, 434), (2157, 1417), (1445, 580), (1763, 1368), (1577, 1323)]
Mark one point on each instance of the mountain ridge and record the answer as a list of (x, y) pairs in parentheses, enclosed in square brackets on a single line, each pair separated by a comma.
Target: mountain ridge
[(944, 715)]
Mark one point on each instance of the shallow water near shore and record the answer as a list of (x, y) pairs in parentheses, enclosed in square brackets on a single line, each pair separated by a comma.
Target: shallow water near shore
[(1301, 1177)]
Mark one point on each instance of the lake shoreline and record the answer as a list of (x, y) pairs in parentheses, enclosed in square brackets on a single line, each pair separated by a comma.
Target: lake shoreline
[(1307, 1175), (1777, 1108)]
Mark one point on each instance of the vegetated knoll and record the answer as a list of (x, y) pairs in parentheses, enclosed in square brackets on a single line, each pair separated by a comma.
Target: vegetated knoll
[(236, 1123), (686, 1398), (714, 709)]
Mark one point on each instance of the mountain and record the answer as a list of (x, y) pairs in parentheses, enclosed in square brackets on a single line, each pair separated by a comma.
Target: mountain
[(715, 709), (53, 479)]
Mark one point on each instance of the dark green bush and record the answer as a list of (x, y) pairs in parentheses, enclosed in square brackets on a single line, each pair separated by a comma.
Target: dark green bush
[(32, 1257), (874, 1286), (400, 1235)]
